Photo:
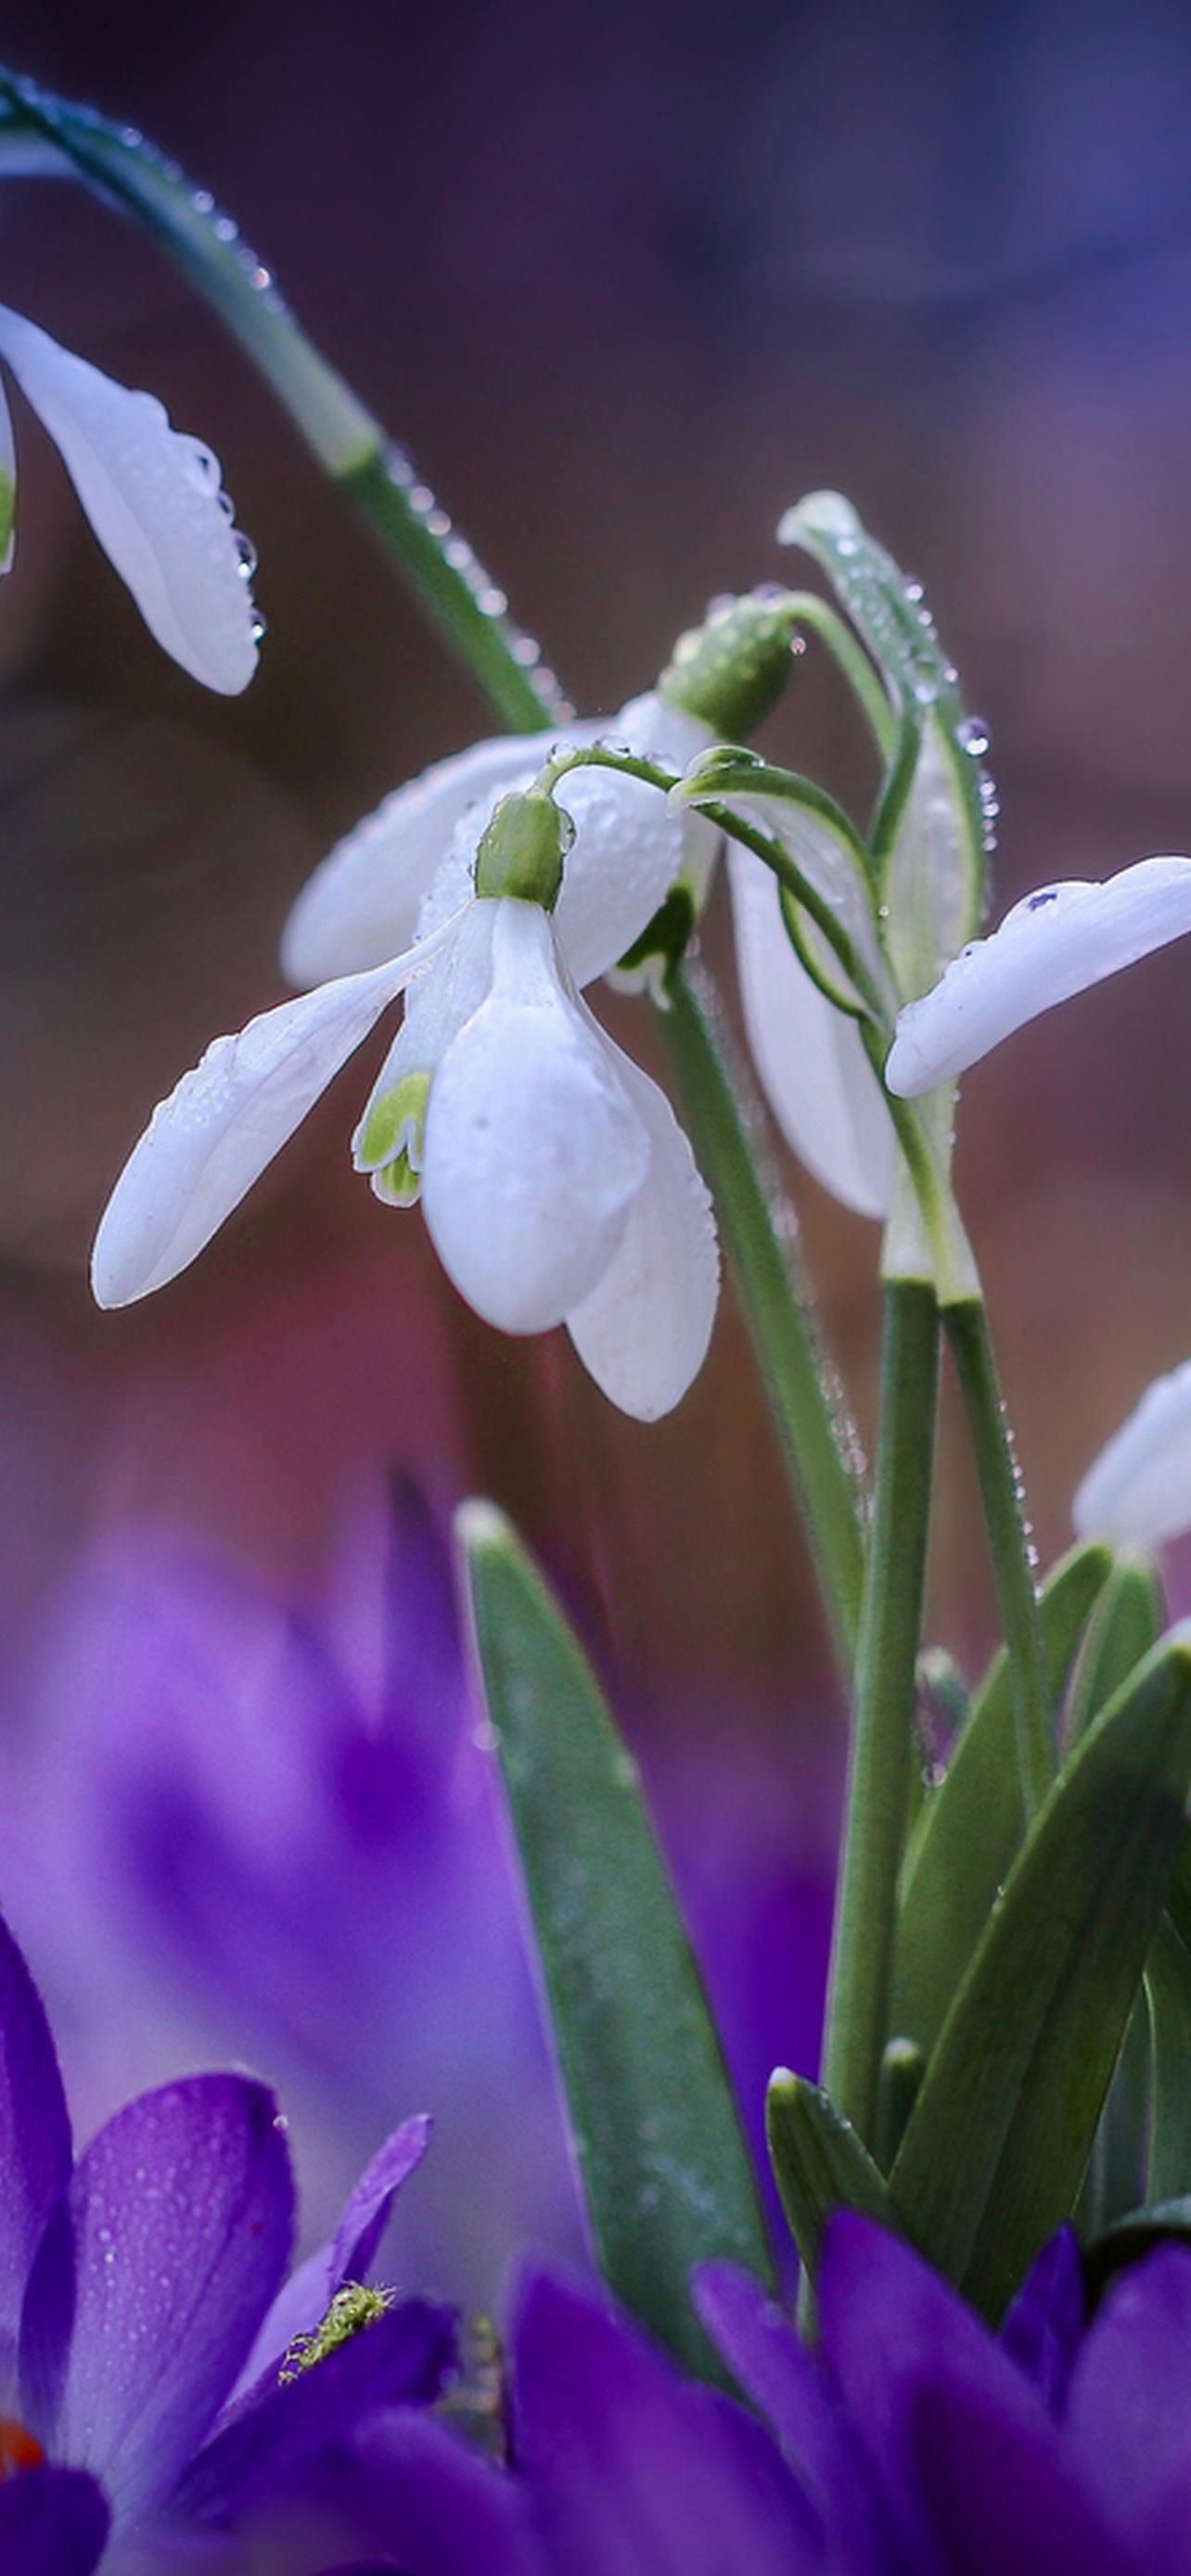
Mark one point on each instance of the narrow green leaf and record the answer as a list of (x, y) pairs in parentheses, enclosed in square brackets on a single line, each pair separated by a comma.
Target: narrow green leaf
[(997, 2144), (972, 1826), (1128, 1619), (819, 2163), (665, 2169), (1115, 2178), (1168, 2000)]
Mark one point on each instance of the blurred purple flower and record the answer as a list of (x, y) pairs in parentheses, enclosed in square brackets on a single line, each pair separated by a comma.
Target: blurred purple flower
[(136, 2286), (911, 2442), (237, 1828)]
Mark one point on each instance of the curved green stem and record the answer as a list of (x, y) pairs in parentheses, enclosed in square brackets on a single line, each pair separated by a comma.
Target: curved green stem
[(41, 134), (851, 659), (882, 1737), (818, 1442)]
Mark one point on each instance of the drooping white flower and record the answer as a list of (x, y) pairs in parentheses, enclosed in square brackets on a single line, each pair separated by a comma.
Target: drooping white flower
[(809, 1055), (153, 498), (366, 900), (557, 1184), (1137, 1493), (1057, 942)]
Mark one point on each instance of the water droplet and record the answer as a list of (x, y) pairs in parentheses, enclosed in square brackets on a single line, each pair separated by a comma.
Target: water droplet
[(973, 736)]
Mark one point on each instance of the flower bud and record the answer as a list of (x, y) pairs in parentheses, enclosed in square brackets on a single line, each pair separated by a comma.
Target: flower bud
[(731, 671), (522, 849)]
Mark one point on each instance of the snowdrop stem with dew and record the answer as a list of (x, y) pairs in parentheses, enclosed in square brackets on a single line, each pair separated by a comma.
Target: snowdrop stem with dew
[(126, 171), (966, 1324), (880, 1753), (965, 1319), (808, 1409)]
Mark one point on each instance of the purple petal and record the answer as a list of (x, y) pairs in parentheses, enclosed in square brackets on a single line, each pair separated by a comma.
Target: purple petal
[(367, 2213), (999, 2496), (1129, 2407), (35, 2153), (635, 2470), (442, 2510), (53, 2522), (402, 2359), (151, 2280), (774, 2367), (890, 2327), (1044, 2327), (303, 2300)]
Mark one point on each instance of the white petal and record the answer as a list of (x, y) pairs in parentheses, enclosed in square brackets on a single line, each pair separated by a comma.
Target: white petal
[(363, 903), (533, 1151), (152, 496), (224, 1122), (8, 483), (1056, 943), (437, 1006), (643, 1330), (819, 1082), (628, 847), (1138, 1492)]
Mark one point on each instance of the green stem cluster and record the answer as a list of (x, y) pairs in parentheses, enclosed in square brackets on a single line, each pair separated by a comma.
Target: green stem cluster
[(881, 1748)]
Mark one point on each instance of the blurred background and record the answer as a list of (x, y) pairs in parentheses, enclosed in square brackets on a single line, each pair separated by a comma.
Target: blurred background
[(626, 281)]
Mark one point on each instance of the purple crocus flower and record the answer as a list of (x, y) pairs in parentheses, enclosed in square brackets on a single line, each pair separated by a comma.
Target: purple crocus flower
[(238, 1823), (911, 2442), (139, 2286)]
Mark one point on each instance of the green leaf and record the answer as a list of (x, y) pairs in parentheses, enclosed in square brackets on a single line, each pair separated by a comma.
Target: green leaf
[(819, 2163), (973, 1823), (665, 2170), (934, 822), (997, 2144), (1168, 2000), (1128, 1619)]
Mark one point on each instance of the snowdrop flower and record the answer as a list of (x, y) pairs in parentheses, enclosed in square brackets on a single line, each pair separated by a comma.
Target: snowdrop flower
[(557, 1184), (1137, 1493), (152, 496), (399, 869), (1054, 944)]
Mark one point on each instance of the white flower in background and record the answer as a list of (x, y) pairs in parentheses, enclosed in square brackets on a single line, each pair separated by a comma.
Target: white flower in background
[(1054, 944), (558, 1186), (1138, 1491), (366, 900), (153, 498)]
